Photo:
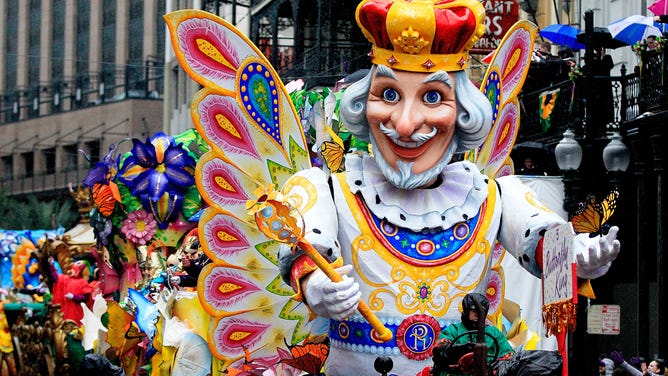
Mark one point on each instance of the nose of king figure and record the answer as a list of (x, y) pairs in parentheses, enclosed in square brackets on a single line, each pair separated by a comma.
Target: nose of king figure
[(407, 119)]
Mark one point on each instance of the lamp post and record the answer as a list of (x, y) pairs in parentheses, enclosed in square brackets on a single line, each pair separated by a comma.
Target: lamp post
[(616, 159), (568, 154)]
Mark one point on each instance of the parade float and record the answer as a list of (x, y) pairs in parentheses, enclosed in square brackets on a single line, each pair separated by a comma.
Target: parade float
[(231, 205), (268, 222)]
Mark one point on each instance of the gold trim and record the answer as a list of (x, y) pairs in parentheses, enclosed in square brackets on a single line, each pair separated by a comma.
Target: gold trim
[(420, 63), (410, 277)]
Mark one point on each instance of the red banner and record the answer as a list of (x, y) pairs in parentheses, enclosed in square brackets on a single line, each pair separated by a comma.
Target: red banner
[(501, 15)]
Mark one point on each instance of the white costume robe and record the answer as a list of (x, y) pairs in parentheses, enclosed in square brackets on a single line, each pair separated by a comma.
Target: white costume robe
[(415, 253)]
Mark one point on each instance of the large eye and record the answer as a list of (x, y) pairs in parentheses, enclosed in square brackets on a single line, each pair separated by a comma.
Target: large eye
[(390, 95), (432, 97)]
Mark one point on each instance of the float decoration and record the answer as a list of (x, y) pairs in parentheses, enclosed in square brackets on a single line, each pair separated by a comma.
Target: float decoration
[(245, 115), (145, 196)]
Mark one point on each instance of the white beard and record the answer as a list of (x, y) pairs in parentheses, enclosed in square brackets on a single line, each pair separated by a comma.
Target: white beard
[(405, 178)]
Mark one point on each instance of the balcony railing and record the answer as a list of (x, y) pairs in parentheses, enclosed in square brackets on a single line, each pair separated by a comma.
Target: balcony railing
[(85, 90), (617, 99), (43, 181)]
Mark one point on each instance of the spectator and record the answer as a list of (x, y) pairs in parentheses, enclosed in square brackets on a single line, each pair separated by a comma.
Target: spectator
[(652, 43), (655, 368), (662, 18), (530, 168)]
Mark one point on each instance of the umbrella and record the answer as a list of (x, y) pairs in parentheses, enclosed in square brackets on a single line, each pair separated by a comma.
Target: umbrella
[(565, 35), (633, 29), (602, 39), (661, 26), (659, 7)]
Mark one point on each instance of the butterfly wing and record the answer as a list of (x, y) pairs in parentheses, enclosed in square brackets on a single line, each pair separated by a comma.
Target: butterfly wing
[(501, 84), (245, 114), (593, 215), (105, 197), (588, 218), (332, 152)]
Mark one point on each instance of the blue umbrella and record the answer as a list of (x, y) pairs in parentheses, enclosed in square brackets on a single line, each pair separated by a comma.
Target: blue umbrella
[(633, 29), (565, 35)]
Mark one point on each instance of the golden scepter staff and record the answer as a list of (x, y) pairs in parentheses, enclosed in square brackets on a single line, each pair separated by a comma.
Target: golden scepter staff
[(279, 220)]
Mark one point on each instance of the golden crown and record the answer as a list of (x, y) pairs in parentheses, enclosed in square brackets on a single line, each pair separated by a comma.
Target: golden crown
[(421, 35)]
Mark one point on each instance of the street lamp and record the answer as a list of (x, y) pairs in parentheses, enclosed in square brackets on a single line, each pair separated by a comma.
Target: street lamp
[(616, 154), (568, 154), (616, 159)]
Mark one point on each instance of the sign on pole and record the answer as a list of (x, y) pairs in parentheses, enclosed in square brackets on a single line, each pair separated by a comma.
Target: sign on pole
[(603, 319)]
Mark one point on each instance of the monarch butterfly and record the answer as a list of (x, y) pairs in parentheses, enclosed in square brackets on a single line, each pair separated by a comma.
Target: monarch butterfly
[(592, 215), (333, 155), (309, 357), (105, 197)]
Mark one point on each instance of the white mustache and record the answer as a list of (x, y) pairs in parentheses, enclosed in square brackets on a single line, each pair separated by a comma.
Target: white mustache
[(418, 139)]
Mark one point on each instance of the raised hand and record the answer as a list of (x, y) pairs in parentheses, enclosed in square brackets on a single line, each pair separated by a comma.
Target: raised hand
[(595, 255)]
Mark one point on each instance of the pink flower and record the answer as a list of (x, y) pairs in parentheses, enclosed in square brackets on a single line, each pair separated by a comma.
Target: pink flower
[(139, 227)]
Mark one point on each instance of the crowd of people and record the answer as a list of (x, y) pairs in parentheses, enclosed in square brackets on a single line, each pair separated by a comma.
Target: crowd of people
[(614, 363)]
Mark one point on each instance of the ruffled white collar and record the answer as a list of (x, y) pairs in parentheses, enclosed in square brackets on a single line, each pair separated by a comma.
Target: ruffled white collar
[(459, 196)]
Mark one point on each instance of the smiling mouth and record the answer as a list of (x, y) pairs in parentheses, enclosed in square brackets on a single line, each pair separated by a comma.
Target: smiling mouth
[(408, 149)]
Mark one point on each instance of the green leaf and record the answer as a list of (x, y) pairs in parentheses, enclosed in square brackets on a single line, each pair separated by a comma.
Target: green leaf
[(130, 202), (192, 202)]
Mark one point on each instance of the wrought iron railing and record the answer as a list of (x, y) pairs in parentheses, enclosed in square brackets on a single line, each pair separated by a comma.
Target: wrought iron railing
[(617, 99), (43, 181), (84, 90)]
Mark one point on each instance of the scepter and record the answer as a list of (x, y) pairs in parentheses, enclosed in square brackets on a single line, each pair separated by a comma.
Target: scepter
[(281, 221)]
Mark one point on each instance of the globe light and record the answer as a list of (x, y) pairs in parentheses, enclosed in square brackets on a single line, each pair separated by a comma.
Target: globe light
[(616, 154), (568, 152)]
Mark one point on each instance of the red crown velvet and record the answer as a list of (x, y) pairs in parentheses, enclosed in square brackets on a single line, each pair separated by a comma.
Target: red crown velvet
[(421, 35)]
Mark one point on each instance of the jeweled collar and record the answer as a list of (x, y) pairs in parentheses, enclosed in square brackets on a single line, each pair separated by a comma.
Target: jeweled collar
[(457, 198)]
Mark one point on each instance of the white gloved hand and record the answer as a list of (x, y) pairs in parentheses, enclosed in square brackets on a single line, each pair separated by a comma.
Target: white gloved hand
[(336, 300), (69, 296), (595, 255)]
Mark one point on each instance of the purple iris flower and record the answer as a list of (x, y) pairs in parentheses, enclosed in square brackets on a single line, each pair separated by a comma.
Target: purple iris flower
[(158, 171)]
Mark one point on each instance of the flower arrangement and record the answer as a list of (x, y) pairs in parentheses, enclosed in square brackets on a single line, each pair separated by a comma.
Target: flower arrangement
[(147, 195)]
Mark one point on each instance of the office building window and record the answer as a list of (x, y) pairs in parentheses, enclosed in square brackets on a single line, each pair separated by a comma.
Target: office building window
[(70, 157), (28, 160), (93, 150), (109, 42), (34, 42), (7, 165), (58, 40), (11, 34), (135, 65), (49, 156), (83, 36)]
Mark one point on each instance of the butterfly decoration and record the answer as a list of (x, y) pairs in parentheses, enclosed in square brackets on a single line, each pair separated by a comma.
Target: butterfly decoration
[(309, 357), (592, 215), (105, 197), (333, 155)]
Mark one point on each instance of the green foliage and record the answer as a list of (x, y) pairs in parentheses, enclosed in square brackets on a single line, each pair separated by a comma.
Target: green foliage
[(34, 214)]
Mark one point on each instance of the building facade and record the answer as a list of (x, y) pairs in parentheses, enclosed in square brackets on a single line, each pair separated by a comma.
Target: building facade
[(75, 75)]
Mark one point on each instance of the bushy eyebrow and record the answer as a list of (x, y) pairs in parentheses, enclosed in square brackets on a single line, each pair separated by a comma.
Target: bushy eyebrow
[(441, 76), (383, 71)]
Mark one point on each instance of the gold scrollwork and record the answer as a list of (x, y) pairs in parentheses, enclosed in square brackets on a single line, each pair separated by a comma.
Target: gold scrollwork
[(298, 197)]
